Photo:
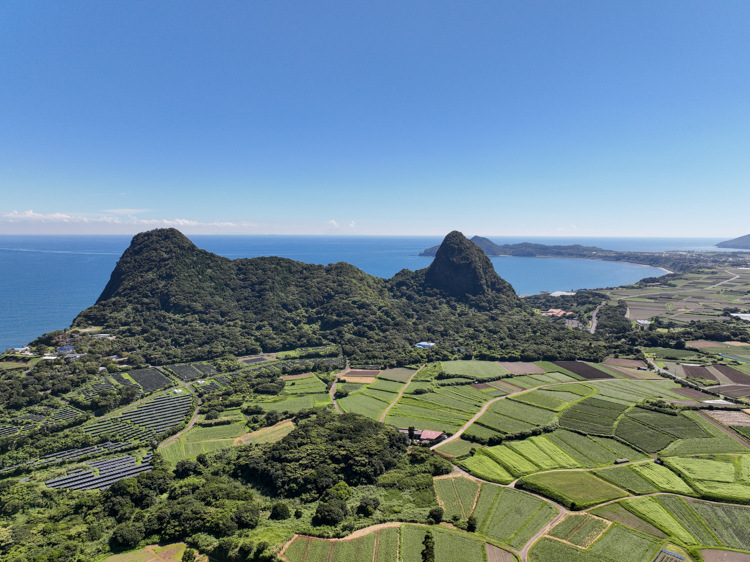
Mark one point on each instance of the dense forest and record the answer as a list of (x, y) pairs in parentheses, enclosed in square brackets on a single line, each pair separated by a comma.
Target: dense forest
[(174, 302)]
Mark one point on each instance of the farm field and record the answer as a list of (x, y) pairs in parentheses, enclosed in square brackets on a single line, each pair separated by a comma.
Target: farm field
[(294, 402), (444, 409), (378, 545), (521, 367), (398, 375), (618, 544), (449, 545), (456, 448), (479, 370), (457, 496), (511, 516), (579, 529), (574, 490)]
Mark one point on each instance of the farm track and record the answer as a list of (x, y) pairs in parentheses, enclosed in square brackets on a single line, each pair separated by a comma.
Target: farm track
[(332, 392), (400, 394)]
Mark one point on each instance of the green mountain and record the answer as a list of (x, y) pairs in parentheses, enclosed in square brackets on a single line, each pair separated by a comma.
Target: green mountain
[(741, 243), (175, 302), (528, 249)]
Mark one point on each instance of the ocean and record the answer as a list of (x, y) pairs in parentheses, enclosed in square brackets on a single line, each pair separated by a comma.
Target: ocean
[(46, 280)]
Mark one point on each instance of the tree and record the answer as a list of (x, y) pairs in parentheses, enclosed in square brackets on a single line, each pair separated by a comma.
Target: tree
[(188, 555), (280, 511), (411, 432), (435, 516), (332, 512), (471, 524), (428, 552), (127, 535), (368, 506)]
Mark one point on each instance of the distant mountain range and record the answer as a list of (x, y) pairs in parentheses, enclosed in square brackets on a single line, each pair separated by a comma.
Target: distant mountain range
[(741, 243)]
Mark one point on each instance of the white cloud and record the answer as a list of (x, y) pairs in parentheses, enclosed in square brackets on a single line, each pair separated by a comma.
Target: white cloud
[(352, 224), (32, 217), (333, 224)]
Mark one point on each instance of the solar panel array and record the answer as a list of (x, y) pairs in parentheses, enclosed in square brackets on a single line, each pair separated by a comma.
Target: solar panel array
[(207, 370), (186, 372), (150, 379), (65, 413), (97, 389), (32, 417), (106, 472), (147, 421), (210, 386), (223, 380), (71, 454), (122, 380), (6, 430)]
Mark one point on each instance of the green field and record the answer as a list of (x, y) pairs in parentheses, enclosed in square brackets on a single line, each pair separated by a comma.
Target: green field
[(580, 529), (575, 490), (456, 448), (216, 432), (655, 513), (457, 496), (377, 546), (449, 545), (479, 370), (482, 466), (510, 516), (398, 375), (618, 544)]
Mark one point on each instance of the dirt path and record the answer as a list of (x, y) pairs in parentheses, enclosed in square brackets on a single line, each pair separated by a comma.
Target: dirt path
[(400, 394), (478, 415), (524, 552), (332, 392)]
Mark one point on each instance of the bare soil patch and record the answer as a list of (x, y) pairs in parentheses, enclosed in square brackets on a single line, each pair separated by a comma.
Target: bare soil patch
[(692, 393), (358, 380), (583, 370), (694, 372), (495, 554), (704, 343), (734, 390), (481, 386), (737, 343), (362, 373), (729, 417), (292, 377), (521, 367), (633, 363), (733, 375), (724, 556)]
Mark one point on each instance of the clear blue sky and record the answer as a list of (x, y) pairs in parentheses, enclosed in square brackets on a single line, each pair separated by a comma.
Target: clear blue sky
[(583, 118)]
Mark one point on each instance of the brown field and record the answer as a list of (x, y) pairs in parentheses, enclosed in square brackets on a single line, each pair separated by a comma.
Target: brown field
[(736, 343), (504, 386), (692, 393), (733, 390), (729, 418), (724, 556), (292, 377), (480, 386), (695, 372), (737, 377), (362, 373), (583, 370), (521, 367), (495, 554), (634, 363), (358, 380), (154, 553), (704, 343)]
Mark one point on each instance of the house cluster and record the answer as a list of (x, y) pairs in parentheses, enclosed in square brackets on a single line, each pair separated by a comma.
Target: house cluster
[(424, 435)]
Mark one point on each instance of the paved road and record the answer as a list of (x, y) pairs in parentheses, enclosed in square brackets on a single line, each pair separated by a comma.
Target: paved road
[(592, 328), (400, 394)]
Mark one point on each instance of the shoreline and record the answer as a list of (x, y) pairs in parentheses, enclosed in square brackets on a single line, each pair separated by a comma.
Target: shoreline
[(667, 272)]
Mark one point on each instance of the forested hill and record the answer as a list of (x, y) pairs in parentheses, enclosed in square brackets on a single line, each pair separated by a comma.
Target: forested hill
[(174, 302), (741, 243)]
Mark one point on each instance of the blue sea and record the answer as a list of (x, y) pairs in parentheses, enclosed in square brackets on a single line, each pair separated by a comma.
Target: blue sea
[(46, 280)]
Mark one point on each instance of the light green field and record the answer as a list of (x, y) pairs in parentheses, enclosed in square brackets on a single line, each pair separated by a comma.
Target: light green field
[(216, 432), (476, 369), (574, 490)]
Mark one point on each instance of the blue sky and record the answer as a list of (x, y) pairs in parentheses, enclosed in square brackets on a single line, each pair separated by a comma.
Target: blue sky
[(582, 118)]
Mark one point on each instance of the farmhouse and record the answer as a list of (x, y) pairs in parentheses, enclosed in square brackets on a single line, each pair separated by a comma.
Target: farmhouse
[(424, 435)]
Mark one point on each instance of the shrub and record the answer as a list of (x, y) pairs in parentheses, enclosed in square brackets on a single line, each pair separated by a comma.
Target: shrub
[(368, 506), (188, 555), (127, 535), (332, 512), (435, 516), (280, 511)]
